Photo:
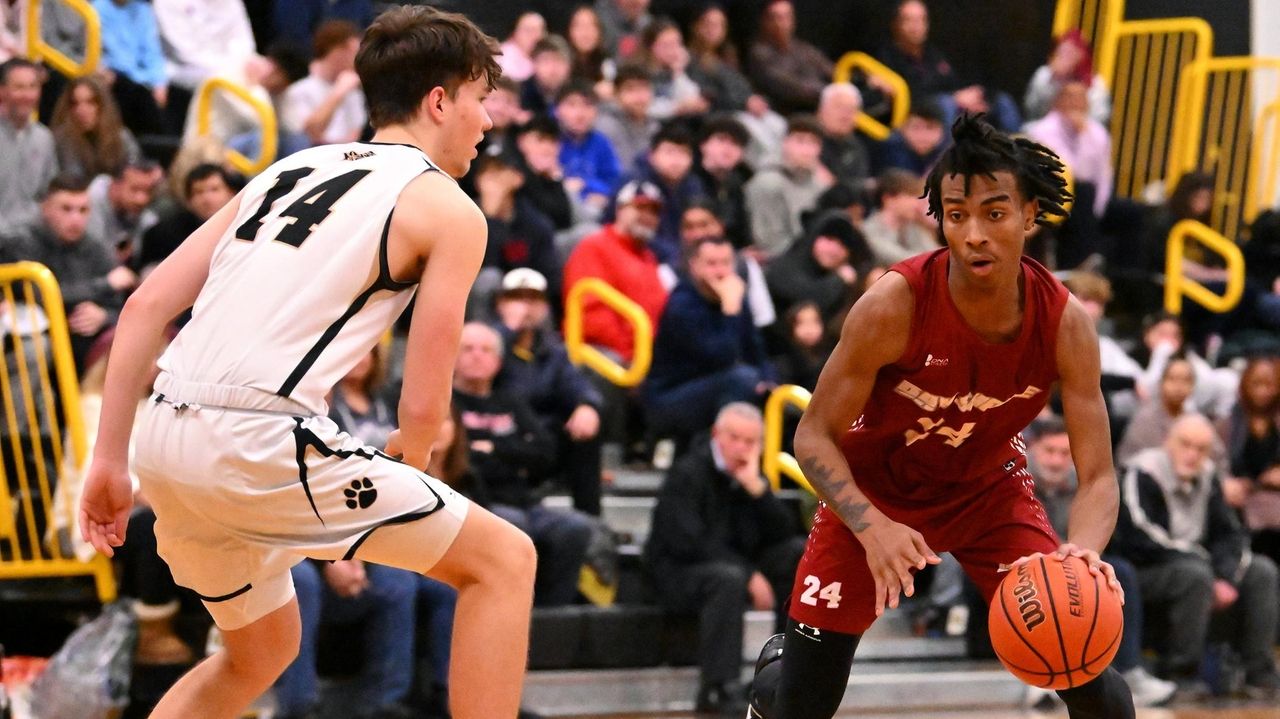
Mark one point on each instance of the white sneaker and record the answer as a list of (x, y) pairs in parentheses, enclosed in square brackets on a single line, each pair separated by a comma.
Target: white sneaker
[(1040, 699), (1148, 691)]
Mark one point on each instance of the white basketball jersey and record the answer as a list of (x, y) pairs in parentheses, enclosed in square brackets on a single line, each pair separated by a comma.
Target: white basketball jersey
[(299, 288)]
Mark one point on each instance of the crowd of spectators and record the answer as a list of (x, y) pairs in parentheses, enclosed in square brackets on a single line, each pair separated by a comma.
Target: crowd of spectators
[(733, 198)]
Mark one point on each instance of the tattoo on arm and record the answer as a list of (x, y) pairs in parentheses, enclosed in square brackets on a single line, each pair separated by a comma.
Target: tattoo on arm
[(837, 494)]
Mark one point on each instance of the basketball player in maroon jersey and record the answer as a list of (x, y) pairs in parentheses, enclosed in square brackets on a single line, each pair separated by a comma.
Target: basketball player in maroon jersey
[(912, 439)]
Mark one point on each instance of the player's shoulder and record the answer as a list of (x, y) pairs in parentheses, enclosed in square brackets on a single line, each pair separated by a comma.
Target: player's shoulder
[(432, 207), (880, 321), (889, 299), (435, 196)]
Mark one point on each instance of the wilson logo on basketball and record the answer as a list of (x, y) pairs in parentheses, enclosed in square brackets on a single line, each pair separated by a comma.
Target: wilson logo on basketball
[(1028, 599)]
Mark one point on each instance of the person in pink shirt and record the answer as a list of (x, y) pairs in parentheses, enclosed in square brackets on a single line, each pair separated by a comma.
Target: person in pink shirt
[(1082, 142)]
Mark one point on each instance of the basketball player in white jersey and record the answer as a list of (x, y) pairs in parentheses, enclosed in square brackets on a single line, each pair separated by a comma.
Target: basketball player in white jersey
[(292, 283)]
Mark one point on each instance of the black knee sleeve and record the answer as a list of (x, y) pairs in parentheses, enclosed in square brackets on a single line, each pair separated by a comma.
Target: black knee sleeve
[(810, 679), (1107, 697)]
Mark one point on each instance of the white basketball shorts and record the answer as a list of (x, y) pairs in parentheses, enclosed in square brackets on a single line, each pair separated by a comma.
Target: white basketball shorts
[(243, 488)]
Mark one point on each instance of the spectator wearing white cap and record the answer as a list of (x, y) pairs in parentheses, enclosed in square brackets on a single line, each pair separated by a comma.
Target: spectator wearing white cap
[(537, 369)]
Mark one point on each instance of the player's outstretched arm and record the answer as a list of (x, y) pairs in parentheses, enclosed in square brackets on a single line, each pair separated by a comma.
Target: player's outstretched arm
[(450, 233), (169, 290), (1093, 513), (875, 334)]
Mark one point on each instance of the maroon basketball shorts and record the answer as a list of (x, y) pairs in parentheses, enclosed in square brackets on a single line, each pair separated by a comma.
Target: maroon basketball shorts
[(982, 529)]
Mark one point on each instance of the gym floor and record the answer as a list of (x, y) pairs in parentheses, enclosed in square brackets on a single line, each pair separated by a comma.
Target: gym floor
[(1200, 712)]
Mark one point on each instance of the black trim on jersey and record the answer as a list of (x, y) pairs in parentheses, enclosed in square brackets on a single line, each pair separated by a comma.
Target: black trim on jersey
[(225, 597), (402, 519), (384, 282), (306, 438)]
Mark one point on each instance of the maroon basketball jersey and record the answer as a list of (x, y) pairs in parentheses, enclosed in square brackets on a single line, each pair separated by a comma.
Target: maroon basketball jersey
[(953, 407)]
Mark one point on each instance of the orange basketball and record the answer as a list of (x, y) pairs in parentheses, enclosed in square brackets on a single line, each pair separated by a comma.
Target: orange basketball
[(1054, 625)]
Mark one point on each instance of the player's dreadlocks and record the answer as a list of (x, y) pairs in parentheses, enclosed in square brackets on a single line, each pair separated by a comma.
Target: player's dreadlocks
[(980, 149)]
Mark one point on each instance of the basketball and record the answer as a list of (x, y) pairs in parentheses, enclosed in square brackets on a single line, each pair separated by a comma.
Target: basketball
[(1054, 625)]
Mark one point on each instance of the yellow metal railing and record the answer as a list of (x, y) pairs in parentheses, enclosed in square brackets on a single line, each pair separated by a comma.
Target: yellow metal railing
[(1144, 62), (1177, 284), (41, 381), (39, 50), (581, 353), (775, 463), (870, 66), (266, 119), (1227, 127), (1096, 20)]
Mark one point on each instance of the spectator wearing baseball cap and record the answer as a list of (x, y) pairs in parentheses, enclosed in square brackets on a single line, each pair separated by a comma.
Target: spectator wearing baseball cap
[(537, 369), (620, 255)]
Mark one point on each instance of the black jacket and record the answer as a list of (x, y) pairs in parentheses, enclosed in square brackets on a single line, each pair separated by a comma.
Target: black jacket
[(1142, 527), (704, 515)]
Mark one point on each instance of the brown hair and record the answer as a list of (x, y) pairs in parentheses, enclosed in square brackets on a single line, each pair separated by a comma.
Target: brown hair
[(100, 151), (410, 50), (1089, 286), (332, 34)]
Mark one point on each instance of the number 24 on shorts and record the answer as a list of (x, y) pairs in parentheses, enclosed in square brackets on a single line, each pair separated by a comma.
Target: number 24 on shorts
[(814, 591)]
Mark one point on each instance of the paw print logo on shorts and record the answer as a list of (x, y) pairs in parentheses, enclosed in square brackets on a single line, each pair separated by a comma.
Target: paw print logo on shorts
[(361, 494)]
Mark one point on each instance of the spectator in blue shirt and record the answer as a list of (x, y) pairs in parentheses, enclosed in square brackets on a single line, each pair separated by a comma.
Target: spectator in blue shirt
[(708, 351), (131, 52), (590, 165)]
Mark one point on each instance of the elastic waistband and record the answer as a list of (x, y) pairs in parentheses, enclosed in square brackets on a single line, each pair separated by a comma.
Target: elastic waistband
[(222, 396)]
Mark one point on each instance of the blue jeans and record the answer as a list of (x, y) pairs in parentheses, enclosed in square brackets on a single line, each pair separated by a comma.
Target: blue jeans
[(690, 408), (561, 537), (437, 602), (1129, 655), (388, 608)]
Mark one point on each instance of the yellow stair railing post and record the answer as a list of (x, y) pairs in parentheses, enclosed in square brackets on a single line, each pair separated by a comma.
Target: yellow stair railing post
[(1177, 284), (776, 462), (266, 117), (41, 51), (55, 382), (581, 353), (870, 126)]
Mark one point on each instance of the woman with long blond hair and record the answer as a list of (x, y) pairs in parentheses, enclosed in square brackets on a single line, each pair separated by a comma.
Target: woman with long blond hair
[(90, 137)]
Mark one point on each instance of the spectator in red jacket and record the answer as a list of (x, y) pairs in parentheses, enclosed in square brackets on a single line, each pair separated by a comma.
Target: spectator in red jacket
[(620, 255)]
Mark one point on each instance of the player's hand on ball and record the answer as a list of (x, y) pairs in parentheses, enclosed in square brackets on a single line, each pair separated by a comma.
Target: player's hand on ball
[(1097, 567), (893, 550), (105, 507)]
